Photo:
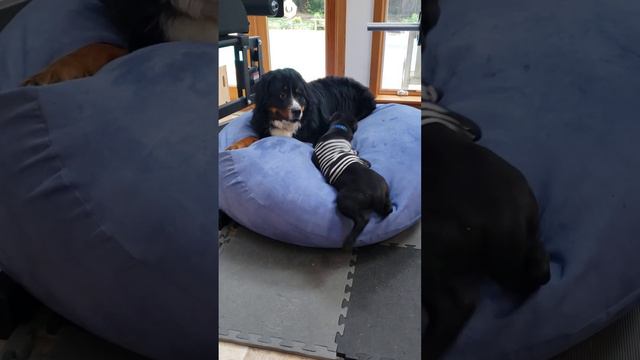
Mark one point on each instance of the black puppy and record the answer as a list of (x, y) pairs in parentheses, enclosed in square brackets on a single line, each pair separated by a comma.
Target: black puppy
[(480, 219), (360, 189)]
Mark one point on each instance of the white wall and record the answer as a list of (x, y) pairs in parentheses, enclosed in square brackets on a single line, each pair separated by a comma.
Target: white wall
[(358, 40)]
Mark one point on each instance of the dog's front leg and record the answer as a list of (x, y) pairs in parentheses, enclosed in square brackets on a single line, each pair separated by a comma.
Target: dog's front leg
[(242, 143), (83, 62)]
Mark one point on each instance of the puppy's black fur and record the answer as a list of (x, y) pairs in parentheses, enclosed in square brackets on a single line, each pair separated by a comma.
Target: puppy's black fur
[(430, 17), (139, 21), (361, 190), (284, 96), (148, 22), (480, 219)]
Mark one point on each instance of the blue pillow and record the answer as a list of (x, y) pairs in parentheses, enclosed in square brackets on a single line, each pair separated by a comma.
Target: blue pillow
[(554, 86), (273, 188), (44, 31), (107, 184)]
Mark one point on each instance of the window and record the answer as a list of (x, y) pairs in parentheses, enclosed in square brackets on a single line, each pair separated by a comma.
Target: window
[(227, 90), (297, 40), (395, 55), (311, 39), (401, 51)]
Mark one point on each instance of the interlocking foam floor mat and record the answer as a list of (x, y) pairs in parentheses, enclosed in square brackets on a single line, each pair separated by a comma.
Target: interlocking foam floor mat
[(302, 300), (383, 321)]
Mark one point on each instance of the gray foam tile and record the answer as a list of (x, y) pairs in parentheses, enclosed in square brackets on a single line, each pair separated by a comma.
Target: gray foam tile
[(410, 238), (383, 317), (226, 233), (281, 296), (618, 341)]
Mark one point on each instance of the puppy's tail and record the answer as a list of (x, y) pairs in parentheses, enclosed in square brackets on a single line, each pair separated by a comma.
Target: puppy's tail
[(353, 206), (358, 226)]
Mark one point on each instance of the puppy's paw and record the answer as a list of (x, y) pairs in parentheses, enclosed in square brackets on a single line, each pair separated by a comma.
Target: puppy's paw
[(243, 143), (83, 62)]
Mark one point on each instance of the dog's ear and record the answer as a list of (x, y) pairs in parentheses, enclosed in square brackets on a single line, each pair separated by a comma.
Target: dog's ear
[(306, 92), (261, 90)]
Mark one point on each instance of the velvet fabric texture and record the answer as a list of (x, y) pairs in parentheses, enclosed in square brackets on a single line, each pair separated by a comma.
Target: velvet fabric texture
[(108, 184), (554, 86), (273, 188)]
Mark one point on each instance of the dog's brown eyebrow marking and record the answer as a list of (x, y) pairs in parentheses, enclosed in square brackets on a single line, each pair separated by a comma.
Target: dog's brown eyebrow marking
[(281, 113)]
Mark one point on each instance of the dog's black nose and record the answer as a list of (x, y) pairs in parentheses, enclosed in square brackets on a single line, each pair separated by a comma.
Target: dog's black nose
[(296, 113)]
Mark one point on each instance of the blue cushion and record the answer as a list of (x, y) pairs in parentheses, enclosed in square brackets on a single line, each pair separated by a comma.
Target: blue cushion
[(107, 184), (273, 188), (554, 85), (44, 31)]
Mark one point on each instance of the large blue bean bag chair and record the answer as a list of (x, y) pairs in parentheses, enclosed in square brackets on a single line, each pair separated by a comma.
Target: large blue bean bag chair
[(108, 184), (273, 188), (554, 86)]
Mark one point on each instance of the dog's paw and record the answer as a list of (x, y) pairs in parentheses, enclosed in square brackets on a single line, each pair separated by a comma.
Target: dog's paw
[(83, 62), (243, 143), (55, 73)]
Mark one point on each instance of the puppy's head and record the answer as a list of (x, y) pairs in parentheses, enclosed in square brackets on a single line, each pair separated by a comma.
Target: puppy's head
[(344, 119), (282, 95)]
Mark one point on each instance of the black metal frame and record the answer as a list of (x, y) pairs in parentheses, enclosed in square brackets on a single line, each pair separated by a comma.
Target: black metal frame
[(248, 63)]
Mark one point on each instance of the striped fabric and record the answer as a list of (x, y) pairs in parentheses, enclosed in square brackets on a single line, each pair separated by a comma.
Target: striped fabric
[(436, 114), (432, 113), (334, 156)]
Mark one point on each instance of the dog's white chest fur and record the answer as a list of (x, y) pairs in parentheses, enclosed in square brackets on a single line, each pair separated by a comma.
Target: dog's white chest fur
[(197, 24), (284, 128)]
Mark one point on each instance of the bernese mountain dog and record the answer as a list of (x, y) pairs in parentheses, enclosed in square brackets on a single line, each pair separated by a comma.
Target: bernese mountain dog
[(286, 105), (141, 23)]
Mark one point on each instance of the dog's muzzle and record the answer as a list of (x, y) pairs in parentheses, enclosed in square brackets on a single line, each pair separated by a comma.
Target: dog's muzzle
[(287, 114), (296, 114)]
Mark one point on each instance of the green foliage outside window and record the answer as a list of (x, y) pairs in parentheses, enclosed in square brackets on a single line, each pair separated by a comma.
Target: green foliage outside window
[(310, 15)]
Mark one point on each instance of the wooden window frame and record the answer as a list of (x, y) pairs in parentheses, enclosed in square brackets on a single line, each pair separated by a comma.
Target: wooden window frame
[(335, 36), (380, 8)]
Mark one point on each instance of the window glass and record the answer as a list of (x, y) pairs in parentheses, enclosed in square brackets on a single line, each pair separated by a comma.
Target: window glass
[(297, 40), (401, 53), (226, 58)]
